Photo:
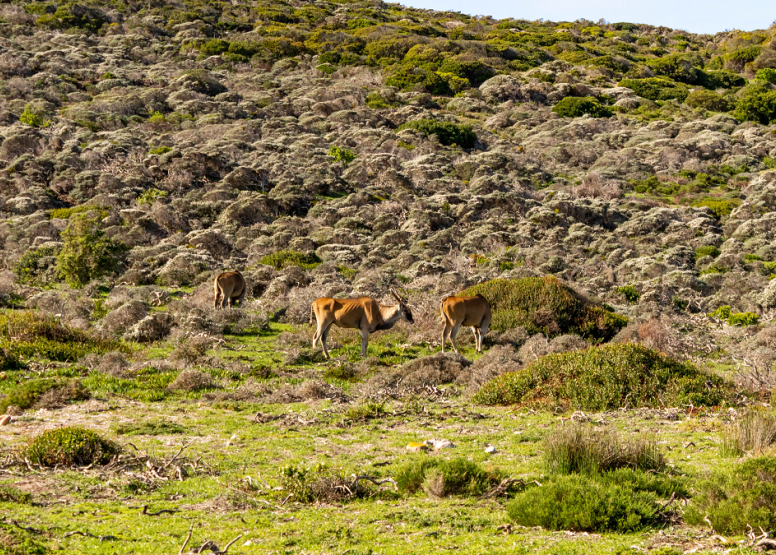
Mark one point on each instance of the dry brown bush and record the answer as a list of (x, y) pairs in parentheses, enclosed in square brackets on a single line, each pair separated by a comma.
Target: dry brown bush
[(114, 364), (312, 389), (536, 346), (496, 361), (422, 375), (192, 380), (61, 396), (121, 319), (192, 350)]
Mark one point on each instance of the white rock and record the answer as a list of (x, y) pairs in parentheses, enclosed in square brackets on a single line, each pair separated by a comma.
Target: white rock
[(490, 449)]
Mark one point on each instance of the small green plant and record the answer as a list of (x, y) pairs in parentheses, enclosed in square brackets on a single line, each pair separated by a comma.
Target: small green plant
[(66, 213), (151, 195), (726, 313), (574, 107), (156, 118), (630, 293), (365, 411), (680, 304), (87, 252), (349, 273), (737, 499), (10, 494), (448, 133), (720, 207), (375, 101), (34, 264), (70, 446), (160, 150), (32, 118), (707, 250), (283, 259), (606, 377), (342, 155), (708, 100), (441, 478), (405, 146)]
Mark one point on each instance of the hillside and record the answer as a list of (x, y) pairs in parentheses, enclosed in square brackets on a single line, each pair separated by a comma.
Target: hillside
[(340, 149)]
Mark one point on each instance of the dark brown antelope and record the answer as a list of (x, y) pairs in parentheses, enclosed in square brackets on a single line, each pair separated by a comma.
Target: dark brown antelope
[(229, 287), (363, 314), (465, 311)]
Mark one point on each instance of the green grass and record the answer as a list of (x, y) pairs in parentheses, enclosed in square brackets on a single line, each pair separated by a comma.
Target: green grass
[(546, 305), (283, 259), (604, 378)]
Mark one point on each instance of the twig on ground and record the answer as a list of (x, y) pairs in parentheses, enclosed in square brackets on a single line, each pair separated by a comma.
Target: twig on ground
[(157, 513)]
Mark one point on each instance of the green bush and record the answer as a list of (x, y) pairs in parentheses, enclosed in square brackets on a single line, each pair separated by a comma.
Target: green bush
[(630, 293), (448, 133), (283, 259), (708, 100), (573, 107), (441, 478), (574, 449), (87, 253), (546, 305), (737, 498), (768, 74), (656, 88), (149, 196), (410, 78), (66, 213), (342, 155), (720, 207), (757, 102), (724, 78), (27, 393), (586, 504), (707, 250), (70, 446), (33, 119), (606, 377), (679, 67), (160, 150), (726, 313), (34, 264)]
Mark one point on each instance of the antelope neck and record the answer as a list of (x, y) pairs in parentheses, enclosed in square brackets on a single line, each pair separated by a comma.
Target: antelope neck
[(390, 313)]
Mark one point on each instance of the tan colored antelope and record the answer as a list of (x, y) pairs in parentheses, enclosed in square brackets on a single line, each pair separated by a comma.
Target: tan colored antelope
[(465, 311), (363, 314), (229, 286)]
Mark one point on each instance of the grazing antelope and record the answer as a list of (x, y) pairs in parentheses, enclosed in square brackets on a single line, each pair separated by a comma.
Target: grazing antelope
[(229, 286), (465, 311), (363, 314)]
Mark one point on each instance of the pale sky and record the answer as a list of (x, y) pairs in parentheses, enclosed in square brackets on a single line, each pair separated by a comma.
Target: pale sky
[(695, 16)]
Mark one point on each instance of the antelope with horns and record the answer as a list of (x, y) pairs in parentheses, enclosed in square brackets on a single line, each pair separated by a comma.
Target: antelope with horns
[(363, 314), (465, 311), (229, 286)]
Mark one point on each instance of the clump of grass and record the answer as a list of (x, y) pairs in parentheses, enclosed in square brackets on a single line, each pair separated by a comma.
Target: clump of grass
[(736, 498), (546, 305), (578, 449), (150, 428), (606, 377), (586, 504), (754, 434), (192, 380), (70, 446), (320, 483), (707, 250), (283, 259), (365, 411), (45, 393), (10, 494), (442, 478)]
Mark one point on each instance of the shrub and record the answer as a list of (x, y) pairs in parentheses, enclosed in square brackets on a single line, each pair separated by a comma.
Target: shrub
[(160, 150), (448, 133), (31, 392), (574, 449), (679, 67), (753, 433), (70, 446), (573, 107), (441, 478), (726, 313), (606, 377), (757, 102), (149, 196), (768, 74), (584, 504), (546, 305), (630, 293), (656, 88), (707, 250), (87, 253), (33, 119), (737, 498), (708, 100), (719, 207), (342, 155), (724, 78), (34, 264), (192, 380), (284, 259)]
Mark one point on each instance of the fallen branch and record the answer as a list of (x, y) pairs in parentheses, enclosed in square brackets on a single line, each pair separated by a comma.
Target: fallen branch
[(157, 513), (375, 481), (188, 537)]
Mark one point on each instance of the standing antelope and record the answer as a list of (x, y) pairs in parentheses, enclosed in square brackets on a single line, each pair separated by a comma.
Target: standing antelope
[(229, 286), (465, 311), (363, 314)]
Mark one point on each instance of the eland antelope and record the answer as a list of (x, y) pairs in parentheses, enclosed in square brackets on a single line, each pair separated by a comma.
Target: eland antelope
[(465, 311), (229, 286), (363, 314)]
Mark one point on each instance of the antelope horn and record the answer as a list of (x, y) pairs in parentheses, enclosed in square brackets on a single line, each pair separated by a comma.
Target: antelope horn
[(395, 294)]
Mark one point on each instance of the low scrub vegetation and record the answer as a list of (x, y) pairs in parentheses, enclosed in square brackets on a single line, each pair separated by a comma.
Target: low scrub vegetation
[(573, 107), (604, 378), (44, 393), (70, 446), (447, 133), (284, 259), (441, 477), (754, 434), (548, 306)]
